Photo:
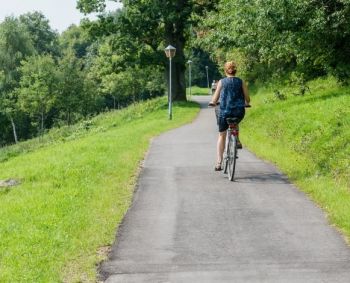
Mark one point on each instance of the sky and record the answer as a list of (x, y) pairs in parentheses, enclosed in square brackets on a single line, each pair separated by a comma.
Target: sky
[(60, 13)]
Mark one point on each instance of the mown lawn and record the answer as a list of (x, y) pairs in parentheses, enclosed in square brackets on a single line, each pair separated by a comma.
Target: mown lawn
[(75, 190), (308, 137), (196, 90)]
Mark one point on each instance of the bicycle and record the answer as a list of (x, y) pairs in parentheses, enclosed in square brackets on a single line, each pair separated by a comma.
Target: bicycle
[(231, 152), (231, 149)]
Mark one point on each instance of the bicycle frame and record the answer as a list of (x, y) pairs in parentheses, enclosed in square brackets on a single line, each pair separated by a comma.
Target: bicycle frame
[(233, 129)]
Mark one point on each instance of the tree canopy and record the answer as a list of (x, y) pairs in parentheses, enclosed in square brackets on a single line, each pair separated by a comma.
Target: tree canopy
[(280, 36), (49, 79)]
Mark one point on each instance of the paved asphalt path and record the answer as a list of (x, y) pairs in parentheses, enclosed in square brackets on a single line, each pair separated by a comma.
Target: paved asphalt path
[(190, 224)]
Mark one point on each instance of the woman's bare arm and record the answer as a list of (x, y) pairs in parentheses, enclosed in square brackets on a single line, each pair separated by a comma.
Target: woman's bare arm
[(246, 93), (216, 95)]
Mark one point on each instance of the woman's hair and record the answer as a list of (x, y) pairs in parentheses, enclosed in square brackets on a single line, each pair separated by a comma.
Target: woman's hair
[(230, 68)]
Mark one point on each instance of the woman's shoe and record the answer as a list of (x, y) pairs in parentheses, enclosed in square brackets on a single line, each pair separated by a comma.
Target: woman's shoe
[(218, 167)]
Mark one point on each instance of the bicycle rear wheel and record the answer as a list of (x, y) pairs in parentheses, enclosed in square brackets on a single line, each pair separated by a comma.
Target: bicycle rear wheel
[(232, 157), (226, 155)]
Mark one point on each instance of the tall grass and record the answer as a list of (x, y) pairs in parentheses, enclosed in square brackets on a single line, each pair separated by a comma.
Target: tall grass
[(75, 190), (308, 137)]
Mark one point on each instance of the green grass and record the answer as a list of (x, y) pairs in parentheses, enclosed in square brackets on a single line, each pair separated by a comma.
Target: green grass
[(75, 190), (196, 90), (308, 137)]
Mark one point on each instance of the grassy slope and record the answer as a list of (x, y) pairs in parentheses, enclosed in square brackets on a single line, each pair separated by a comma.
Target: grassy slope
[(308, 137), (74, 194)]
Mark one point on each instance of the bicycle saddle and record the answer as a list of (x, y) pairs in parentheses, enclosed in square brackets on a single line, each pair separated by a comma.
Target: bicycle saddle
[(233, 120)]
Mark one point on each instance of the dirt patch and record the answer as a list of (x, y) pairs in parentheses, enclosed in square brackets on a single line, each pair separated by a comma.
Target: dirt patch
[(103, 252)]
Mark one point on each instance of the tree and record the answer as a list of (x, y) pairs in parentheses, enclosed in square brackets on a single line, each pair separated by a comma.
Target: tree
[(102, 68), (119, 82), (153, 25), (70, 94), (38, 88), (154, 82), (15, 45), (44, 39), (75, 38)]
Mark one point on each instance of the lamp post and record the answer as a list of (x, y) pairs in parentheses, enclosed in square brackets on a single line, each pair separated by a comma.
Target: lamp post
[(189, 62), (206, 68), (170, 53)]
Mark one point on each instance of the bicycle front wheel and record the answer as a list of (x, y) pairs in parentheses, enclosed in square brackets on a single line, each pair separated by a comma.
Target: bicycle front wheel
[(232, 157)]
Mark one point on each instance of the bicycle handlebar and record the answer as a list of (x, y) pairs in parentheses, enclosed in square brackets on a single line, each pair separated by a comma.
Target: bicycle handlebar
[(213, 105)]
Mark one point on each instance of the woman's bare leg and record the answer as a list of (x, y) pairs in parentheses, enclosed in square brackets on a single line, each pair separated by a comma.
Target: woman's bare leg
[(221, 146)]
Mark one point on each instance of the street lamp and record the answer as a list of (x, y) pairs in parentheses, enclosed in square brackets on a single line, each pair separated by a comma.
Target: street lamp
[(170, 53), (189, 62), (206, 68)]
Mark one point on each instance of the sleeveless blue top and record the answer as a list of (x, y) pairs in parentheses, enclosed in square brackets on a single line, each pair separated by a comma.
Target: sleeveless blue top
[(231, 96)]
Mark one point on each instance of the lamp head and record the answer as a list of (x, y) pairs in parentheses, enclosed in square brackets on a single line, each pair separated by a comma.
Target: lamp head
[(170, 51)]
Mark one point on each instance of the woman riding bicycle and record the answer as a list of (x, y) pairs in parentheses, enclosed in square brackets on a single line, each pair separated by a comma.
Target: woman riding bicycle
[(233, 95)]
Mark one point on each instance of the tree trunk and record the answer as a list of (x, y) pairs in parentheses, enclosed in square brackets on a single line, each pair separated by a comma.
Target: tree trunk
[(42, 126), (67, 113), (14, 129), (175, 37), (69, 117), (179, 73), (178, 84)]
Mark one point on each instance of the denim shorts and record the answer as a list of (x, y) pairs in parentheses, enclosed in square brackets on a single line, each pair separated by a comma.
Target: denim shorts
[(237, 113)]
